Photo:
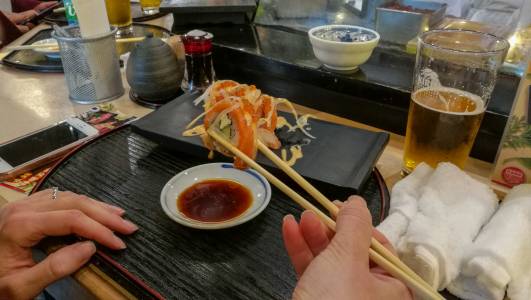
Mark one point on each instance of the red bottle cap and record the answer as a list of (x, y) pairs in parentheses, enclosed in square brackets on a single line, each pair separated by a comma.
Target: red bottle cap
[(197, 42)]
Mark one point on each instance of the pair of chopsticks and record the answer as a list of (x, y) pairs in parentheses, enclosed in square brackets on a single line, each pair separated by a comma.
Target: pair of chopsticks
[(377, 252), (55, 46)]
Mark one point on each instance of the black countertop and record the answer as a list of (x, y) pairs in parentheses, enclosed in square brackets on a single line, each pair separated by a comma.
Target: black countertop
[(377, 94)]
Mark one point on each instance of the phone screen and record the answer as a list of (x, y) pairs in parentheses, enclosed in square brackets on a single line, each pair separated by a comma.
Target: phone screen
[(40, 143)]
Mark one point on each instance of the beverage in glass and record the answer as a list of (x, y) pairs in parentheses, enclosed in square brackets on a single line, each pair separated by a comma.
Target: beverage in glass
[(119, 13), (455, 74), (150, 7)]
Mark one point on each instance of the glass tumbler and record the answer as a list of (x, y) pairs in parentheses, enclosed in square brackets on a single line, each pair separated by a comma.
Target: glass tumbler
[(455, 73)]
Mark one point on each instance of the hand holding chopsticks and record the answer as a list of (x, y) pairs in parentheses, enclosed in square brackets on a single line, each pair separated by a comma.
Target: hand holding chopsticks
[(377, 253)]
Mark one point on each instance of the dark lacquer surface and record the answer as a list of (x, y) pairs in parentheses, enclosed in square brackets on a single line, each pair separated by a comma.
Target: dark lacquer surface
[(340, 158), (378, 94), (245, 262)]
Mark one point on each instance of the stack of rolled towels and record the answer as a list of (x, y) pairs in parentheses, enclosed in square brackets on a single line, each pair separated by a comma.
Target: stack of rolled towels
[(449, 228)]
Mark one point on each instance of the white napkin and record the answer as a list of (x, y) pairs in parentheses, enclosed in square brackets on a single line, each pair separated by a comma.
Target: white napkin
[(452, 207), (501, 255), (404, 203)]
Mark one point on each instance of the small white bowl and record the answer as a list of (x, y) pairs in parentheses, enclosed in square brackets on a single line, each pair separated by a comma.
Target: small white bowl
[(256, 183), (52, 53), (342, 56)]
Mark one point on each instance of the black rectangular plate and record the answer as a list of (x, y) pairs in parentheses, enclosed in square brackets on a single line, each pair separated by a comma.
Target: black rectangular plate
[(340, 157)]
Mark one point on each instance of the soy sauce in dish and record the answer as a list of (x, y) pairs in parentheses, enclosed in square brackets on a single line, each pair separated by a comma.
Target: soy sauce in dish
[(214, 200)]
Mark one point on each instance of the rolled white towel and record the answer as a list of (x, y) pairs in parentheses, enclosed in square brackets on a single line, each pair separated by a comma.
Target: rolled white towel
[(452, 208), (404, 197), (500, 257)]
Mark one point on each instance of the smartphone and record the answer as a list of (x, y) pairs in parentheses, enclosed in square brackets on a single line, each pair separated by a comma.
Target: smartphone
[(43, 146)]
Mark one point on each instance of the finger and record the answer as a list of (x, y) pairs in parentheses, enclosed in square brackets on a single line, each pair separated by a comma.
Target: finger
[(44, 5), (46, 197), (102, 213), (23, 16), (30, 282), (298, 251), (338, 203), (32, 227), (354, 231), (314, 232), (23, 28)]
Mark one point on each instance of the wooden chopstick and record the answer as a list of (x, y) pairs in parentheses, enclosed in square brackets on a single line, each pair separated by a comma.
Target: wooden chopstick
[(333, 209), (55, 46), (379, 259)]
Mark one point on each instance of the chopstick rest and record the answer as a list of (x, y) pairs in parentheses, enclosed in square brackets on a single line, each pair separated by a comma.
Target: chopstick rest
[(500, 257), (452, 208), (404, 204)]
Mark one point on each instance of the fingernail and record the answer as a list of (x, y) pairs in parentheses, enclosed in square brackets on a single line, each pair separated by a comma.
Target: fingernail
[(118, 210), (307, 212), (130, 225), (289, 217), (119, 243), (89, 247)]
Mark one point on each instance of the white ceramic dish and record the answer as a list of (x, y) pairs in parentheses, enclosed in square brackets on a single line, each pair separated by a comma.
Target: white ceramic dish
[(52, 53), (342, 56), (256, 183)]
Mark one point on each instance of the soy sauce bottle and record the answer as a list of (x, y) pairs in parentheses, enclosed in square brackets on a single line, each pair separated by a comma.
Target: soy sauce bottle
[(199, 72)]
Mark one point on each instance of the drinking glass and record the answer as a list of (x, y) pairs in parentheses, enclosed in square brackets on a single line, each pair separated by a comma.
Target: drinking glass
[(455, 73), (119, 13), (150, 7)]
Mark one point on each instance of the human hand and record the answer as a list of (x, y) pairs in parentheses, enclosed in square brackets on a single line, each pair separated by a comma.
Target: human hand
[(24, 223), (44, 5), (336, 266), (20, 18)]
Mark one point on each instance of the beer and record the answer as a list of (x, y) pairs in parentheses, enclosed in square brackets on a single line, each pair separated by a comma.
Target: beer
[(119, 13), (150, 7), (442, 125)]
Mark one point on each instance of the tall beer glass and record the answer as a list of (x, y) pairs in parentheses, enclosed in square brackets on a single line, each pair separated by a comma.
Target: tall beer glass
[(455, 74), (119, 13)]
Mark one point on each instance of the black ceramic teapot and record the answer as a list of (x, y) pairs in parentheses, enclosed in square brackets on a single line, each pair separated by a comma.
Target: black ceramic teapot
[(154, 72)]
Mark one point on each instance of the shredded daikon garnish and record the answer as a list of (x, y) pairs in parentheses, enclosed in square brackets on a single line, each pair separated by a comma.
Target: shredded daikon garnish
[(299, 123), (296, 154), (198, 130), (281, 122), (204, 95)]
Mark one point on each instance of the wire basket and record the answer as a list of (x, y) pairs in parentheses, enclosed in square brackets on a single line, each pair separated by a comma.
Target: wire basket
[(91, 66)]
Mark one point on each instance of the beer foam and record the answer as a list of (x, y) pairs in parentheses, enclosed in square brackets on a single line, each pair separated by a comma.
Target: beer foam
[(480, 106)]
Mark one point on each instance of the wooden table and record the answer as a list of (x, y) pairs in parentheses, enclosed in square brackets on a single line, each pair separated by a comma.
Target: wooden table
[(31, 101)]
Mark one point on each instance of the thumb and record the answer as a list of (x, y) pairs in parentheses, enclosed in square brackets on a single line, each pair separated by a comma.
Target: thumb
[(29, 283), (354, 229)]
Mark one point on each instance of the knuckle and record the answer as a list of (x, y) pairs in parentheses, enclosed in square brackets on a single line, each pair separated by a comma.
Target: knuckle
[(55, 268), (74, 216), (69, 194), (12, 224)]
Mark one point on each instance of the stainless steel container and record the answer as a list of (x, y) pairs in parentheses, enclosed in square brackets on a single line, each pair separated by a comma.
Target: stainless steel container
[(400, 26), (91, 66)]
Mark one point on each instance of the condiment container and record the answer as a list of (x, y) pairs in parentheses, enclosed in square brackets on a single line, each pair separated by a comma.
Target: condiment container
[(199, 73), (154, 72)]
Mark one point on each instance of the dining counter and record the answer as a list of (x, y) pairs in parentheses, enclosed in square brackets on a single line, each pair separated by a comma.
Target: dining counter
[(32, 100)]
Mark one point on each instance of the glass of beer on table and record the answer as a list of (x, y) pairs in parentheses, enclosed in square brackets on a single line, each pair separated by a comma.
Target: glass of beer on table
[(119, 14), (455, 73), (150, 7)]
